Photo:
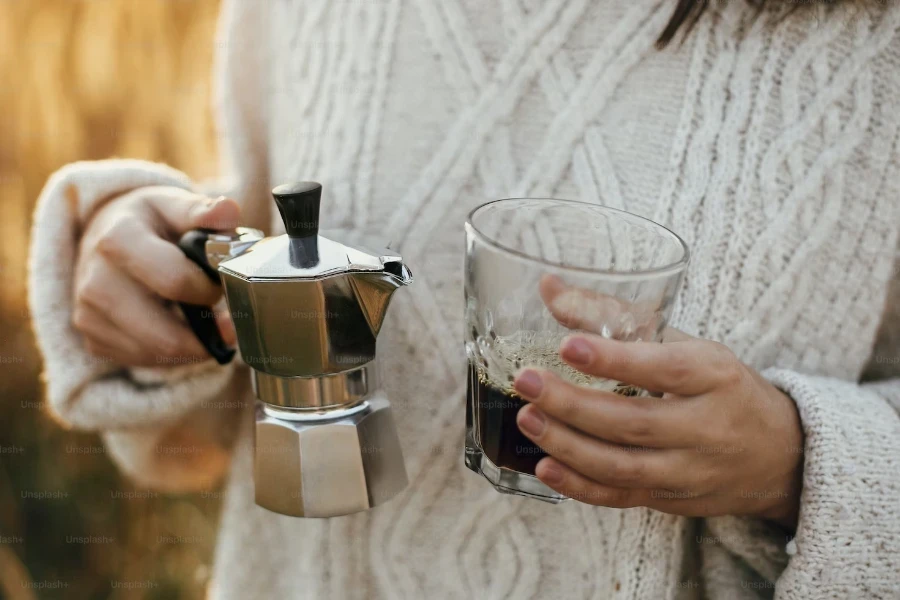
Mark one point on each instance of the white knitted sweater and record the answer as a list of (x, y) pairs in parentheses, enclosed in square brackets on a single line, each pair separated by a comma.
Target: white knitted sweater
[(772, 149)]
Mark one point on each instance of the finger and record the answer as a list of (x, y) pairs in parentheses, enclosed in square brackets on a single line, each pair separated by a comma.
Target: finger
[(576, 486), (225, 323), (97, 328), (624, 420), (180, 210), (106, 341), (579, 308), (103, 354), (137, 314), (158, 264), (598, 460), (686, 368)]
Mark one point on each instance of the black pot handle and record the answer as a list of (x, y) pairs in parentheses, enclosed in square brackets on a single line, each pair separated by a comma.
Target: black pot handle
[(202, 319)]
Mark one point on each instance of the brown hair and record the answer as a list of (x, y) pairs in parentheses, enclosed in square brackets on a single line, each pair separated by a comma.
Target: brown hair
[(688, 12)]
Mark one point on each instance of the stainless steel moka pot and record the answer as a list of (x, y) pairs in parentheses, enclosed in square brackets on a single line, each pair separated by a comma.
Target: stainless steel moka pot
[(307, 310)]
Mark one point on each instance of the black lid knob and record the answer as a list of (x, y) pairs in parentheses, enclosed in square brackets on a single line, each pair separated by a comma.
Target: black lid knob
[(298, 204)]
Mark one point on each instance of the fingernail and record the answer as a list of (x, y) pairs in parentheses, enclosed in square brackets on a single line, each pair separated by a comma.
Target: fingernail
[(550, 472), (577, 351), (209, 203), (529, 384), (531, 421)]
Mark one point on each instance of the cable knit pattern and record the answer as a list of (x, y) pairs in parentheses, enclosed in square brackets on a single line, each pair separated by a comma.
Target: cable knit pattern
[(771, 148)]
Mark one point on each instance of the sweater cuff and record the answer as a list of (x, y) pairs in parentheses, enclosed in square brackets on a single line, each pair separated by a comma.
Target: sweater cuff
[(849, 521), (83, 391)]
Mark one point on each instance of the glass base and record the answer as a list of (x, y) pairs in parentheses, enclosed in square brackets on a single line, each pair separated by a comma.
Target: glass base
[(506, 481)]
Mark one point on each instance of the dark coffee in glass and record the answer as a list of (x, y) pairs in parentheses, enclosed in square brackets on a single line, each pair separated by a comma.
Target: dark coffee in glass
[(500, 438)]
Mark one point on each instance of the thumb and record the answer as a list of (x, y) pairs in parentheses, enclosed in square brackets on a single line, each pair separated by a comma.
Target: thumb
[(596, 312), (220, 214), (181, 211)]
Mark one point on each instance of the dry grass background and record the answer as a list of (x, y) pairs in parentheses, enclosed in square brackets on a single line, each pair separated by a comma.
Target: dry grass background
[(86, 79)]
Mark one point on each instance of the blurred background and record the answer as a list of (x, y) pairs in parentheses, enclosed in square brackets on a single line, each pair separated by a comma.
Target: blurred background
[(88, 79)]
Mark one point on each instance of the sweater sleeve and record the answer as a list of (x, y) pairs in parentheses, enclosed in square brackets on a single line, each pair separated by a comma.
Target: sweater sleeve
[(847, 543), (165, 427), (84, 392)]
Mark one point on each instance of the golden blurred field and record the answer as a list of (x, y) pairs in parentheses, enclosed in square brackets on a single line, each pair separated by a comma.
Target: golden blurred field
[(86, 79)]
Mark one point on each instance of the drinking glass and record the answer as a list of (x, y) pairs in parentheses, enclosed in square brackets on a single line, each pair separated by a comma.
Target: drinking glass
[(538, 269)]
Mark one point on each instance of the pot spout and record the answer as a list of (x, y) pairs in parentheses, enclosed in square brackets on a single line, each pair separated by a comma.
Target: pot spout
[(374, 291)]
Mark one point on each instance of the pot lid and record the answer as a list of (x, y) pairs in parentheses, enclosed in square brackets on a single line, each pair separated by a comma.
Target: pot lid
[(304, 254)]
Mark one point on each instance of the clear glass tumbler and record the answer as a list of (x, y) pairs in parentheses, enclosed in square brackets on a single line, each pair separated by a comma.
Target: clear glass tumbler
[(536, 270)]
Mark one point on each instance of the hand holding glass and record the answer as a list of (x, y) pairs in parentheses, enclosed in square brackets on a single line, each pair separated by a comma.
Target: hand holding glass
[(537, 270)]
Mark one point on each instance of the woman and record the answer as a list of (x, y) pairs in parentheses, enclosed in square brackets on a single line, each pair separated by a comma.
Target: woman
[(770, 144)]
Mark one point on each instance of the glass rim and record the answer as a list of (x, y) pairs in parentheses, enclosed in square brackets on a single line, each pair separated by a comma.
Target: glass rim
[(669, 269)]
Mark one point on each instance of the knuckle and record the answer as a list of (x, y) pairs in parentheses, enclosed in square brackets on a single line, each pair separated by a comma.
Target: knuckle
[(181, 345), (160, 343), (619, 499), (727, 364), (679, 370), (91, 290), (720, 351), (143, 357), (80, 318), (733, 373), (588, 493), (171, 346), (559, 449), (639, 429), (566, 403), (625, 472), (706, 478), (92, 348), (733, 427), (115, 239), (172, 285), (164, 350)]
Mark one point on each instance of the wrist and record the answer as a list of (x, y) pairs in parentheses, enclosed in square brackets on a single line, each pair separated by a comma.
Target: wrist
[(786, 513), (786, 510)]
